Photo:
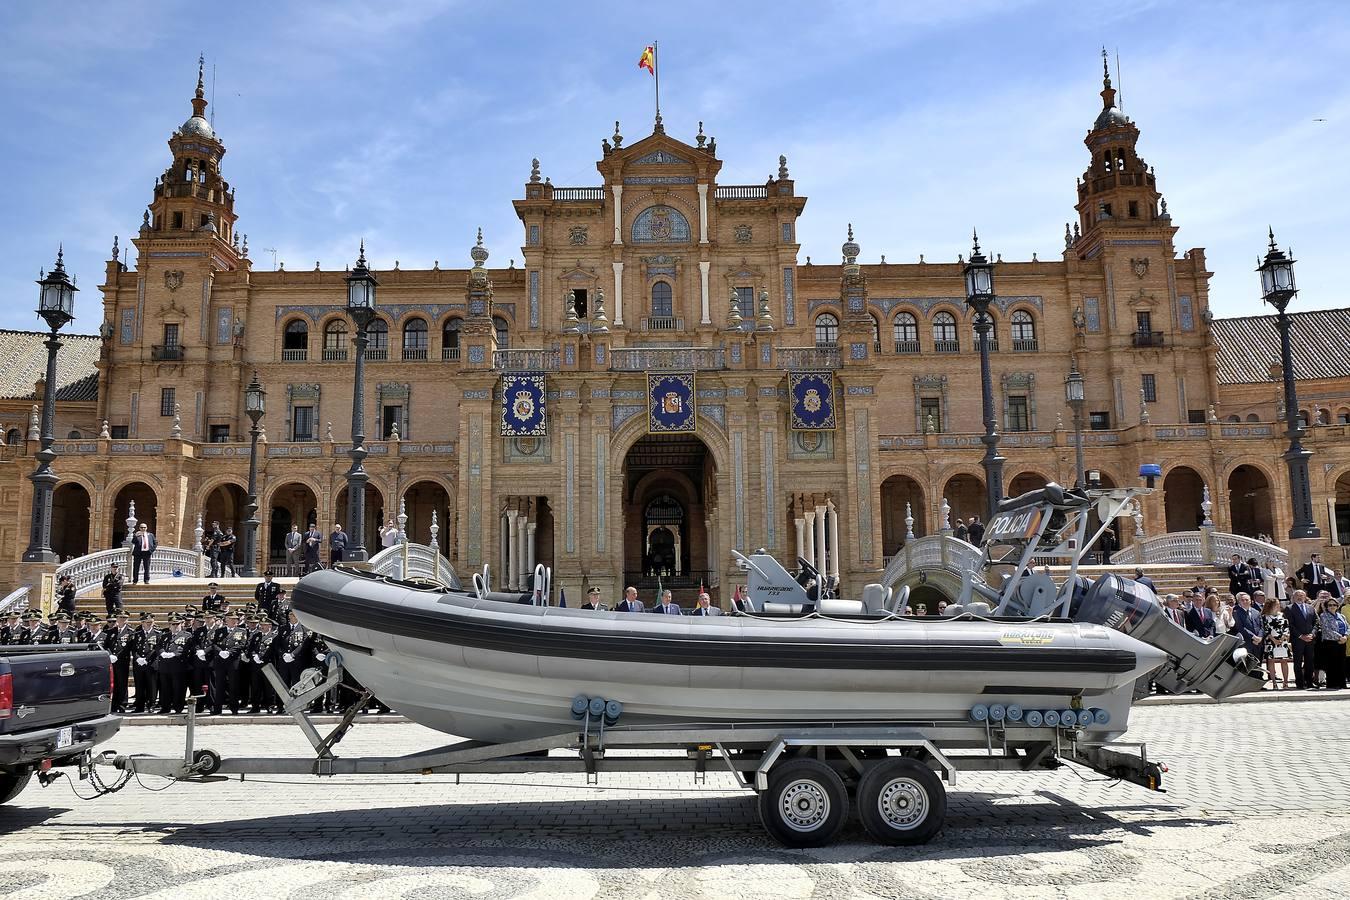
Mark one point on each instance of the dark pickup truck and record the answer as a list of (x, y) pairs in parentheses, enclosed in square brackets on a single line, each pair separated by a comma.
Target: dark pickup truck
[(55, 706)]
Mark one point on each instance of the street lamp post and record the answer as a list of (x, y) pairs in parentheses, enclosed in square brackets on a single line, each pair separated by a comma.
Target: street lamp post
[(1074, 394), (56, 305), (361, 286), (1277, 289), (255, 404), (979, 272)]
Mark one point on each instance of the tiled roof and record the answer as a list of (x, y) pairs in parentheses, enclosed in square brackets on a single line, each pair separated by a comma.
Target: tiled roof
[(1248, 346), (25, 363)]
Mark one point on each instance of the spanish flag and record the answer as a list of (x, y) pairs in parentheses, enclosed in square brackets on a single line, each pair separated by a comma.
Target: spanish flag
[(648, 60)]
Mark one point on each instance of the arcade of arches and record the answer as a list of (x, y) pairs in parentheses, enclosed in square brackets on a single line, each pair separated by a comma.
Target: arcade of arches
[(669, 500)]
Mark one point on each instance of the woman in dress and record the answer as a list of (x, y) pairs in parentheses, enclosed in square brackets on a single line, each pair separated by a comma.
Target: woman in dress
[(1331, 641), (1278, 650)]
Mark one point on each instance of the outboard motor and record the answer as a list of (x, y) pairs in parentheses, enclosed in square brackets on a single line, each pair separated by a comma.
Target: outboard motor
[(1219, 667)]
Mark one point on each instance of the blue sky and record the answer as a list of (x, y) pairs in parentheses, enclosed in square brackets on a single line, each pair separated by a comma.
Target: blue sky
[(412, 122)]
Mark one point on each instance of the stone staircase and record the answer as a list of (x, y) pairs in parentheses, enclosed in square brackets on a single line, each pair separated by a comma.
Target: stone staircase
[(1172, 578), (164, 595)]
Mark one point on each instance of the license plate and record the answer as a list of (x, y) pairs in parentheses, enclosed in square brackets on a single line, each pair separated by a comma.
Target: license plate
[(64, 738)]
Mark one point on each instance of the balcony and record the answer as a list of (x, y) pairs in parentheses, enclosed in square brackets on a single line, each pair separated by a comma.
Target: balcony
[(947, 346), (525, 360), (638, 359), (414, 354), (817, 357), (906, 346), (167, 352), (334, 354), (1025, 345), (578, 193), (301, 355), (377, 354), (741, 192), (662, 323), (1148, 339), (450, 354)]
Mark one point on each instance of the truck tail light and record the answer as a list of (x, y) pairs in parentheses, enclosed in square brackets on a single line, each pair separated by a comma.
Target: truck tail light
[(6, 695)]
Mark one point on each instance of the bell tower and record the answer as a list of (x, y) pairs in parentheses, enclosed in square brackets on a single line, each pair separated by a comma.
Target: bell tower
[(191, 198)]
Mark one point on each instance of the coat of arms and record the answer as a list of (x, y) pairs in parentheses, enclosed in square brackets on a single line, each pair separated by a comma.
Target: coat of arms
[(577, 234), (1139, 267), (811, 402), (173, 280), (523, 407), (743, 234), (672, 404), (660, 227)]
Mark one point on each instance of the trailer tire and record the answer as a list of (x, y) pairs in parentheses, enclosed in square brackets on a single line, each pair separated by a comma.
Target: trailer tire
[(902, 801), (805, 805), (12, 785), (207, 762)]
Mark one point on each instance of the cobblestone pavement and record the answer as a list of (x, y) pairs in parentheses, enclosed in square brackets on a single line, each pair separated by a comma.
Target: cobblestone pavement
[(1258, 806)]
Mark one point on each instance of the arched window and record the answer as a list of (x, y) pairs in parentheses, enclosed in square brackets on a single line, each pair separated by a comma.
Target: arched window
[(295, 341), (450, 338), (1343, 417), (1303, 418), (876, 334), (663, 300), (1235, 418), (1324, 417), (993, 334), (1253, 417), (377, 340), (906, 329), (827, 330), (13, 437), (335, 341), (503, 332), (944, 333), (1023, 330), (415, 339), (74, 435)]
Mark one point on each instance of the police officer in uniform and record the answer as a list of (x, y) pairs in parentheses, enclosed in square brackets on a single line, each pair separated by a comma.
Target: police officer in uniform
[(112, 589), (10, 629), (144, 663), (296, 650), (176, 650), (103, 636), (65, 595), (211, 546), (226, 656), (84, 632), (199, 665), (60, 632), (34, 631), (121, 651), (261, 651), (265, 595), (214, 601)]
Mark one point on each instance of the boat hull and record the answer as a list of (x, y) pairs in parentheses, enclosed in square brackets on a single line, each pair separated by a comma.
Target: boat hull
[(497, 672)]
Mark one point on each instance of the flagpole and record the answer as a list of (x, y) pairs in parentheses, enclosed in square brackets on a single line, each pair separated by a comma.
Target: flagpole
[(656, 73)]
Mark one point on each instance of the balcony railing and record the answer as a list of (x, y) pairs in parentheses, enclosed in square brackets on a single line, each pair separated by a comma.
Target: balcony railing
[(334, 354), (295, 355), (578, 193), (946, 346), (975, 343), (906, 346), (1148, 339), (378, 354), (741, 192), (1025, 345), (166, 352), (662, 323), (414, 354), (638, 359), (525, 360), (450, 354), (808, 357)]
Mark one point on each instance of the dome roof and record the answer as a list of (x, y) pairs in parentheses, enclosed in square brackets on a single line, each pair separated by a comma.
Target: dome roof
[(198, 127), (1110, 116)]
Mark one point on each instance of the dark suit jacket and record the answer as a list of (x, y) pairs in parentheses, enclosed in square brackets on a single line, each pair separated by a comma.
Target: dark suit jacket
[(671, 610), (136, 543), (1301, 622), (1318, 579), (1148, 583), (1200, 621), (1249, 625), (1238, 576)]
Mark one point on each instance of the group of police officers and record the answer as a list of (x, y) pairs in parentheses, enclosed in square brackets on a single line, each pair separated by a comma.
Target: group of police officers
[(210, 652)]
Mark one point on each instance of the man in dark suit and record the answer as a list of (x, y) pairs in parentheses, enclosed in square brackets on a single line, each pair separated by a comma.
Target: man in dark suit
[(976, 531), (337, 545), (313, 541), (667, 607), (1303, 637), (705, 607), (112, 590), (142, 545), (1248, 625), (1200, 621), (1143, 579), (1172, 609), (1239, 576), (593, 599), (1316, 577), (630, 602)]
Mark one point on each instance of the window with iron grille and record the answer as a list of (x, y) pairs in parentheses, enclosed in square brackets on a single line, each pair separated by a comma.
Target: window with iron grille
[(827, 330), (1019, 416), (944, 327), (302, 428), (663, 300), (1099, 421), (1150, 385), (166, 401), (906, 329), (745, 300), (930, 414)]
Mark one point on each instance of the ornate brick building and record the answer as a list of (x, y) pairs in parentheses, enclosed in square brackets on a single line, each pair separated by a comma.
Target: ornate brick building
[(660, 270)]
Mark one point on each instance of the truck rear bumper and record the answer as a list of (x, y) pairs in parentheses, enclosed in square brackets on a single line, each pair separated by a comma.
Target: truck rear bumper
[(32, 747)]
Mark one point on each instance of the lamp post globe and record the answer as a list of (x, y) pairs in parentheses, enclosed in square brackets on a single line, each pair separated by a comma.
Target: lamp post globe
[(979, 276), (1075, 394), (255, 407), (1278, 289), (56, 306), (361, 305)]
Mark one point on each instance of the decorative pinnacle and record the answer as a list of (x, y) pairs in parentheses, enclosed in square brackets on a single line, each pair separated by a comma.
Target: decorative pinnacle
[(61, 254), (360, 261), (534, 170), (850, 231), (1106, 69), (201, 72), (618, 138), (975, 238), (1271, 230)]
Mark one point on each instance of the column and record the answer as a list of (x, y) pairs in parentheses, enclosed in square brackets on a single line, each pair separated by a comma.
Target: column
[(616, 191), (522, 542), (801, 535), (808, 549), (820, 540), (512, 551), (834, 540), (618, 293), (703, 268), (529, 546), (703, 220), (504, 570)]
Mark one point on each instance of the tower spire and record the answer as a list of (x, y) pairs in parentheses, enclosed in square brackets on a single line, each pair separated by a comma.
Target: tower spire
[(1108, 92), (199, 98)]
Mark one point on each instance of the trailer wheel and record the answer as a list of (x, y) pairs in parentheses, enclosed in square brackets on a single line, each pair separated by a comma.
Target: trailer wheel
[(12, 785), (206, 761), (806, 803), (902, 801)]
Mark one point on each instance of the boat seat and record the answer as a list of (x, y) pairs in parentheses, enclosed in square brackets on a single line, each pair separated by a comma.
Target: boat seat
[(874, 599), (953, 609), (898, 600), (834, 607), (978, 608)]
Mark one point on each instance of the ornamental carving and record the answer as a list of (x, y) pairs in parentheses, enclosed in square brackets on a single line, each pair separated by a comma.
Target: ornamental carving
[(173, 280), (577, 235), (1139, 267), (744, 234)]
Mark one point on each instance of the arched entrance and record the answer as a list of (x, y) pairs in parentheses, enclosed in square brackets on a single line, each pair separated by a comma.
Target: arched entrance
[(1183, 491), (225, 504), (376, 515), (965, 495), (1343, 509), (1249, 502), (143, 495), (1025, 481), (897, 493), (291, 503), (419, 501), (1121, 533), (668, 482), (70, 520)]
